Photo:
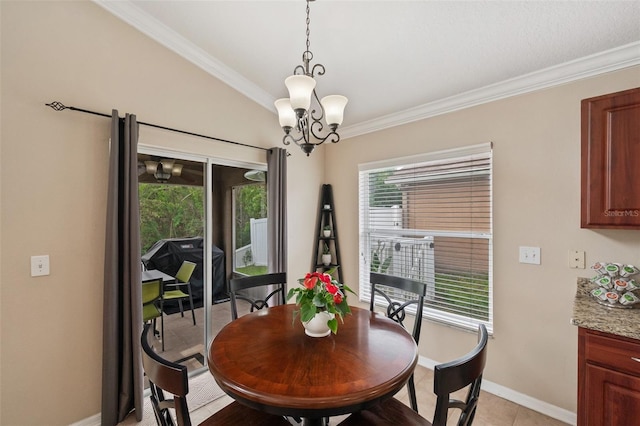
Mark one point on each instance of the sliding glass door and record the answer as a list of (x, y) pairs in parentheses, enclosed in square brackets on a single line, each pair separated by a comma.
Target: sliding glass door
[(172, 226), (206, 212)]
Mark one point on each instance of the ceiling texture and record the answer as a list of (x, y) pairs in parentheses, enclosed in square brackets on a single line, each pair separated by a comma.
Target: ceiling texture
[(397, 61)]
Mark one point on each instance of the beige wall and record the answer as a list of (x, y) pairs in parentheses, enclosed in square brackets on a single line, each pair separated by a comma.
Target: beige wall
[(53, 185), (536, 203)]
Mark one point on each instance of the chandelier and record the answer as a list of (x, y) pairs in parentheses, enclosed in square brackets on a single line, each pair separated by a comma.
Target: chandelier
[(302, 113)]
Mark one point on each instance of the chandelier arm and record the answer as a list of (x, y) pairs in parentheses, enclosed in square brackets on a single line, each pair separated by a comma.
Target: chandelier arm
[(332, 136), (316, 126), (298, 134), (299, 70), (303, 127), (287, 139), (312, 113), (320, 70)]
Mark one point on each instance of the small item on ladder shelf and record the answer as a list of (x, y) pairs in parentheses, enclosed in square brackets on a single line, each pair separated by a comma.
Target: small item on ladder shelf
[(326, 255), (326, 232)]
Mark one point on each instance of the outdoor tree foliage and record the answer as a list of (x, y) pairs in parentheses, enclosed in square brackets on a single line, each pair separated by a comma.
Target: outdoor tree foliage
[(175, 211), (383, 194), (170, 211), (251, 202)]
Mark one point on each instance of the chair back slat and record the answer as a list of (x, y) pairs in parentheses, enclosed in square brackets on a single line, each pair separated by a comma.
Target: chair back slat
[(278, 279), (151, 291), (396, 310), (186, 270), (166, 376), (452, 376)]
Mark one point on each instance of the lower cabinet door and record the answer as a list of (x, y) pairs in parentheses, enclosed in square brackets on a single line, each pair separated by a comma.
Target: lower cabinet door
[(612, 397)]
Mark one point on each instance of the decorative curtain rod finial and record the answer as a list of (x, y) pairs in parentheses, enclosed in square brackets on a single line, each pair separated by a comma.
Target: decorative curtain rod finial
[(58, 106)]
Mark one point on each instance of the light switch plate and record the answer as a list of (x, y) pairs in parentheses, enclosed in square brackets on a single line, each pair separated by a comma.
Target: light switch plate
[(530, 255), (39, 265)]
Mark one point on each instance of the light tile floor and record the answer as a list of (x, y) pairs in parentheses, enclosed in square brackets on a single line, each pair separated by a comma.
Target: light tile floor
[(184, 340)]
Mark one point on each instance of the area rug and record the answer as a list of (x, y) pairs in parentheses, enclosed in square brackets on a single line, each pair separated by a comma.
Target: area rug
[(202, 390)]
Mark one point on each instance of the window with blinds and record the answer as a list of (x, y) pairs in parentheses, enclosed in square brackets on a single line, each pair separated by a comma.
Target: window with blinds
[(429, 218)]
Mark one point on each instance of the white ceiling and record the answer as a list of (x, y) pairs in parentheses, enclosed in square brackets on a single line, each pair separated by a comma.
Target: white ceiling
[(396, 61)]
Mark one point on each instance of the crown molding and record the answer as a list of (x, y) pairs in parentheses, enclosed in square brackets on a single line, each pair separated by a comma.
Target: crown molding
[(134, 16), (588, 66)]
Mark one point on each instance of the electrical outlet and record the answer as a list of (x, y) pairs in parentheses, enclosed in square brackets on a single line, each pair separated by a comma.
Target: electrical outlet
[(39, 265), (576, 259), (530, 255)]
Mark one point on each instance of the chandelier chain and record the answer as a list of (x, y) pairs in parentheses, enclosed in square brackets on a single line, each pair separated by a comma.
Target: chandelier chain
[(308, 21)]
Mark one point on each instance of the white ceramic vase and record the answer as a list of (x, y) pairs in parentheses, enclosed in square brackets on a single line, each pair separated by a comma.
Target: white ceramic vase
[(326, 233), (318, 327), (326, 259)]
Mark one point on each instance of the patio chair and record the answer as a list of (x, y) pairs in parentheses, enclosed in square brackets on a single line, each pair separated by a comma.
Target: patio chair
[(447, 378), (168, 376), (152, 305), (173, 291)]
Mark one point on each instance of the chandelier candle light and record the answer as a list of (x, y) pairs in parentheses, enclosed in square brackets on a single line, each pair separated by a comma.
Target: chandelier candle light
[(298, 114)]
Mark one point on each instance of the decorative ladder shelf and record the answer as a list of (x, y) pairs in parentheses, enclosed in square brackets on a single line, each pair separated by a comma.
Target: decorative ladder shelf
[(326, 243)]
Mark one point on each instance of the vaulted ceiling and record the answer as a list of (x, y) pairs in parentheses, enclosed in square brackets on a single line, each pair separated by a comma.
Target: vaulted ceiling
[(397, 61)]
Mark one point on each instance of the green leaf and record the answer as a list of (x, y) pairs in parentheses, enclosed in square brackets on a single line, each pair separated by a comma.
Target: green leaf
[(291, 292), (375, 262), (386, 264), (344, 307), (346, 288), (307, 312), (333, 325), (319, 300)]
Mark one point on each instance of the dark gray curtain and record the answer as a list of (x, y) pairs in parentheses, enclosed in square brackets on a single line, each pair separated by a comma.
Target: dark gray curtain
[(277, 209), (122, 374)]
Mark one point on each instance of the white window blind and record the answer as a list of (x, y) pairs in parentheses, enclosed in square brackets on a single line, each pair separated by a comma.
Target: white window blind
[(429, 218)]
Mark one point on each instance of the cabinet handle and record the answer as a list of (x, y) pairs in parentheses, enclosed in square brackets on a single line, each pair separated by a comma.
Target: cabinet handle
[(635, 359)]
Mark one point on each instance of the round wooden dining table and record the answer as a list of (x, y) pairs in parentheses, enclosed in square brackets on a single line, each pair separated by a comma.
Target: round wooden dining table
[(266, 361)]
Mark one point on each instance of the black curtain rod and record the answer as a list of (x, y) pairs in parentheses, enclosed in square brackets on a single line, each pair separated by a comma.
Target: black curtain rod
[(59, 106)]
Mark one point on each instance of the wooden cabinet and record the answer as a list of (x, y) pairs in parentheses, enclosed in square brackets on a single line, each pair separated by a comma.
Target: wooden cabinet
[(611, 161), (608, 379)]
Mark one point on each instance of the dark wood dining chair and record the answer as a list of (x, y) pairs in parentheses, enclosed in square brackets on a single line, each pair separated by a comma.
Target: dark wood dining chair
[(414, 292), (447, 378), (166, 376), (277, 280)]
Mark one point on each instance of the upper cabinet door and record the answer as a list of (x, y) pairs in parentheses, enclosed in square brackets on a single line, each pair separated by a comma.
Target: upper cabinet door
[(611, 161)]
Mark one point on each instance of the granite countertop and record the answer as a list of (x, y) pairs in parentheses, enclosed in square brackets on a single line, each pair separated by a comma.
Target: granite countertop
[(588, 313)]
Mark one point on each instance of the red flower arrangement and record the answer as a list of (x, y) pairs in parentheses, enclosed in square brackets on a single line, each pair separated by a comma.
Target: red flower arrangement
[(321, 292)]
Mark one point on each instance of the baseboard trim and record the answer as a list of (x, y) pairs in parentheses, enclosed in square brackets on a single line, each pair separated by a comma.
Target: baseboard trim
[(94, 420), (517, 397)]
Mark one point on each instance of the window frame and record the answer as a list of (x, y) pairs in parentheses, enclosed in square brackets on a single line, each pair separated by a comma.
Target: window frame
[(366, 230)]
